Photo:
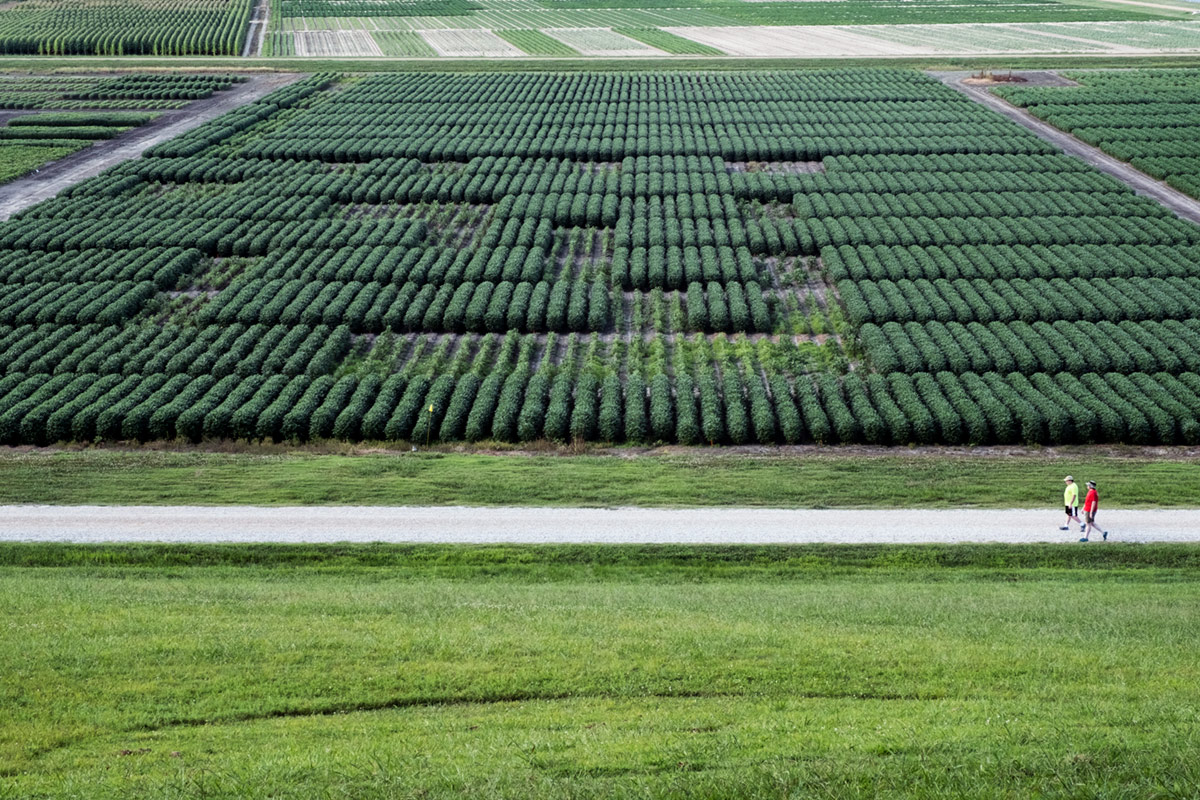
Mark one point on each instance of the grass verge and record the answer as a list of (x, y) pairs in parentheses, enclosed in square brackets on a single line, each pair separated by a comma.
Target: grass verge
[(599, 672), (998, 63), (801, 478)]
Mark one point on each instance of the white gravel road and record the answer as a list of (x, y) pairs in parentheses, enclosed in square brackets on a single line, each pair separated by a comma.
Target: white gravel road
[(549, 525)]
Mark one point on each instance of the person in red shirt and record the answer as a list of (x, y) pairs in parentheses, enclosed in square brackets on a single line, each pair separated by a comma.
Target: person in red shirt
[(1091, 504)]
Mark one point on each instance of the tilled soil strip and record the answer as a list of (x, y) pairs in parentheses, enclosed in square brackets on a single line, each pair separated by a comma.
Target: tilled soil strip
[(455, 524)]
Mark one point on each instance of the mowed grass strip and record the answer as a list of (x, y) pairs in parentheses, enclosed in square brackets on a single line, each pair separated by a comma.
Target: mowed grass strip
[(669, 42), (814, 478), (830, 680), (536, 43)]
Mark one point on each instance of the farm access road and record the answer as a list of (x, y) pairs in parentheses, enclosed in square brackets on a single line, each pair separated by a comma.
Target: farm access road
[(1179, 203), (89, 162), (461, 525)]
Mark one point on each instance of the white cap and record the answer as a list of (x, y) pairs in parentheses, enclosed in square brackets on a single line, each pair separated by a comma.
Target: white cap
[(1068, 478)]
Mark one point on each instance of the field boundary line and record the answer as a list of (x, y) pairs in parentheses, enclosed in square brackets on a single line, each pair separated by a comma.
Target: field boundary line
[(1179, 203)]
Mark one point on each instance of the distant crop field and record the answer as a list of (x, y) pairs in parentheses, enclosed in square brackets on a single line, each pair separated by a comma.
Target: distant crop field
[(833, 28), (842, 256), (117, 27), (1150, 119)]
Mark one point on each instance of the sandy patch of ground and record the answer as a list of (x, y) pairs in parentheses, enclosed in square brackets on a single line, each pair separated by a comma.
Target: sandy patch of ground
[(470, 44), (336, 43), (800, 41), (602, 42)]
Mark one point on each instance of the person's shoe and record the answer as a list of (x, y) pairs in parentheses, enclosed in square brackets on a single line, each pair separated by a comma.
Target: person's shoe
[(1084, 539), (1065, 528), (1104, 536), (1082, 528)]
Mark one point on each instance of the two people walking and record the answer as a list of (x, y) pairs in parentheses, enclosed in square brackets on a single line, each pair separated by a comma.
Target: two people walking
[(1091, 505)]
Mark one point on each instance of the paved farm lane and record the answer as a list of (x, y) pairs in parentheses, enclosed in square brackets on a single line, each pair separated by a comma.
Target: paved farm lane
[(548, 525), (87, 163), (1183, 206)]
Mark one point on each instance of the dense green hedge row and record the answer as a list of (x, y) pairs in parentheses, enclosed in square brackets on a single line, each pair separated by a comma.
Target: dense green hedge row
[(218, 237), (1077, 347), (489, 179), (527, 403), (1006, 262), (961, 300), (564, 304), (157, 27), (235, 349), (740, 118), (161, 265)]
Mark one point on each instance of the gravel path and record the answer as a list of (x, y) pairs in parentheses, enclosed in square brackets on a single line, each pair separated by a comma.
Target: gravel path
[(544, 525), (1183, 206)]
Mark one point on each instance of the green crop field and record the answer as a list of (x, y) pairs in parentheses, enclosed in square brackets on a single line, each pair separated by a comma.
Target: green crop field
[(1150, 119), (438, 672), (48, 133), (19, 158), (117, 27), (158, 91), (836, 256)]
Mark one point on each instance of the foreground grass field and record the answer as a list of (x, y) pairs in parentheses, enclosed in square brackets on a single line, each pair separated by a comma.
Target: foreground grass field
[(599, 672), (770, 478)]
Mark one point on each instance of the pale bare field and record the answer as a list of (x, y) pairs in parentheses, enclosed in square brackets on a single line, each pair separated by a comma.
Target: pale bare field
[(826, 41), (470, 44), (336, 44), (353, 38), (799, 41), (602, 42)]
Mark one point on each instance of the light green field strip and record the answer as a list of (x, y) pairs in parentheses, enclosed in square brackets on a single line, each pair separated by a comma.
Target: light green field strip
[(18, 159), (669, 42), (809, 478), (377, 672), (403, 43), (537, 43), (602, 42)]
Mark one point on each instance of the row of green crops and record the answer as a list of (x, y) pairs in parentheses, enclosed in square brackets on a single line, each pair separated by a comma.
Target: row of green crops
[(133, 91), (512, 399), (595, 257), (1150, 119), (157, 27)]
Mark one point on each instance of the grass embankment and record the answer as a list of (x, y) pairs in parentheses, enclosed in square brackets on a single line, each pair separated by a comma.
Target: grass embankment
[(808, 478), (375, 672)]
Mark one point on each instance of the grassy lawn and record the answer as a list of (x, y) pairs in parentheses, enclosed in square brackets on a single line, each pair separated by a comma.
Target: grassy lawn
[(809, 478), (256, 672)]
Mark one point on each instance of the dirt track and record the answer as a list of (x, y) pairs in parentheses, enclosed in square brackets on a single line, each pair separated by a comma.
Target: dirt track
[(560, 525), (1183, 206), (49, 181)]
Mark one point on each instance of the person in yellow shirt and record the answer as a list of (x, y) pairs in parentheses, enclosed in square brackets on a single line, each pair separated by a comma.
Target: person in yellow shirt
[(1071, 500)]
